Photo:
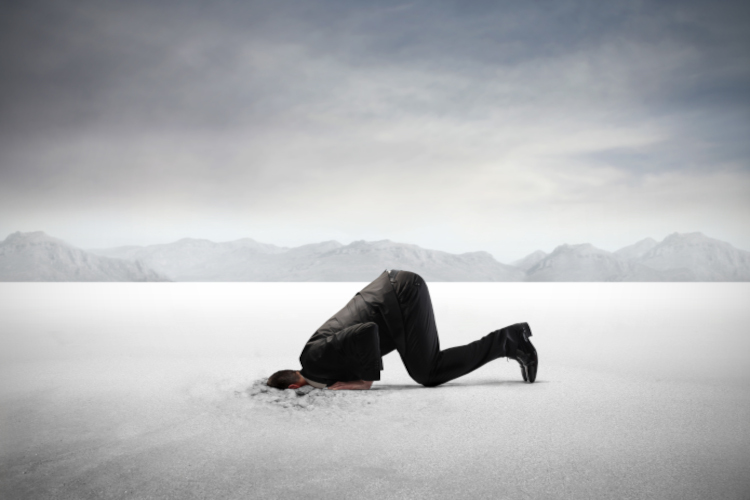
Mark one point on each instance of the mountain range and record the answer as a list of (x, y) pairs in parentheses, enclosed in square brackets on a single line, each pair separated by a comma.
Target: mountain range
[(38, 257), (248, 260), (679, 257)]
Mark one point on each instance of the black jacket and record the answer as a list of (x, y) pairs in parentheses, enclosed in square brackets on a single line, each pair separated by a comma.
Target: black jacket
[(350, 345)]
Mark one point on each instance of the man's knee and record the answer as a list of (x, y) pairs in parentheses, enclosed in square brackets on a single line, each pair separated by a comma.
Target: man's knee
[(424, 379), (413, 278)]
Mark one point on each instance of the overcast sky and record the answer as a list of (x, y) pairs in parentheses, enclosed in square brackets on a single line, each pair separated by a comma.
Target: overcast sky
[(458, 126)]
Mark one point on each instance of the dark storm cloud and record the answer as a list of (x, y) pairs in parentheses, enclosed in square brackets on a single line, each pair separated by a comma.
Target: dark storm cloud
[(131, 64), (78, 63)]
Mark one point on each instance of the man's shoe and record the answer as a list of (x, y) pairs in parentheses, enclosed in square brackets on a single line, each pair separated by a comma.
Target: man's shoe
[(520, 348)]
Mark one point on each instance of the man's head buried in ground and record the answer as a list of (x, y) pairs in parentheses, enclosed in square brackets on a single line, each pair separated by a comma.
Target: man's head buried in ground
[(293, 379), (286, 379)]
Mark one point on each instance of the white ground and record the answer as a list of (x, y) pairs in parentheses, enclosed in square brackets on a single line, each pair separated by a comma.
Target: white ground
[(140, 391)]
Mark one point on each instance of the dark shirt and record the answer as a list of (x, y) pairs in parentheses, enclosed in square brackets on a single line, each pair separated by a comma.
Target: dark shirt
[(350, 345)]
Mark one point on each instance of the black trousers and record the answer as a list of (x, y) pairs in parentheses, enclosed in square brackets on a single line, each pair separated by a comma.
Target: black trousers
[(421, 354)]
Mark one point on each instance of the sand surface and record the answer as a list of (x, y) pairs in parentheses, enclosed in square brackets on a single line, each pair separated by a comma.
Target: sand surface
[(145, 391)]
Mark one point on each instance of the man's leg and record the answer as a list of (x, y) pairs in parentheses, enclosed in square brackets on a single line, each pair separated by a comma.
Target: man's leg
[(424, 360)]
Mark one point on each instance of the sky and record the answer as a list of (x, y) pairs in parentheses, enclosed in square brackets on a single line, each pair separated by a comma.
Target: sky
[(458, 126)]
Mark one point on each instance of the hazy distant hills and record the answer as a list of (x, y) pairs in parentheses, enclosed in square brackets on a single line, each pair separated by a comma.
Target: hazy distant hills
[(701, 258), (38, 257), (199, 260), (530, 260), (588, 263), (680, 257), (248, 260), (636, 250)]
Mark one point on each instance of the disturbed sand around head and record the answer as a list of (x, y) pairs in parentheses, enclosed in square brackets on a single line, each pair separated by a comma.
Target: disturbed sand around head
[(147, 391)]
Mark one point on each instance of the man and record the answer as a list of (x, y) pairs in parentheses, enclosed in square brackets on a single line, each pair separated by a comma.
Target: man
[(394, 312)]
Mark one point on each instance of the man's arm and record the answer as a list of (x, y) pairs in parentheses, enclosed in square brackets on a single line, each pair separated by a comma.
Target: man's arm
[(360, 344), (350, 356), (352, 385)]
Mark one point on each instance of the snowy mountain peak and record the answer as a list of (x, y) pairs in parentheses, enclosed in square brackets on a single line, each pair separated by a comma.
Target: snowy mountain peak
[(316, 248), (585, 262), (530, 260), (33, 237), (39, 257), (374, 244), (699, 257), (637, 249), (688, 238), (578, 249)]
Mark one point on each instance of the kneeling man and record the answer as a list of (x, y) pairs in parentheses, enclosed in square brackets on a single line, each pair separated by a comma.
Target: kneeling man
[(394, 312)]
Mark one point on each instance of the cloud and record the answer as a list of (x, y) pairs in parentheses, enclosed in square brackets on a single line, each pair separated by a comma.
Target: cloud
[(460, 125)]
